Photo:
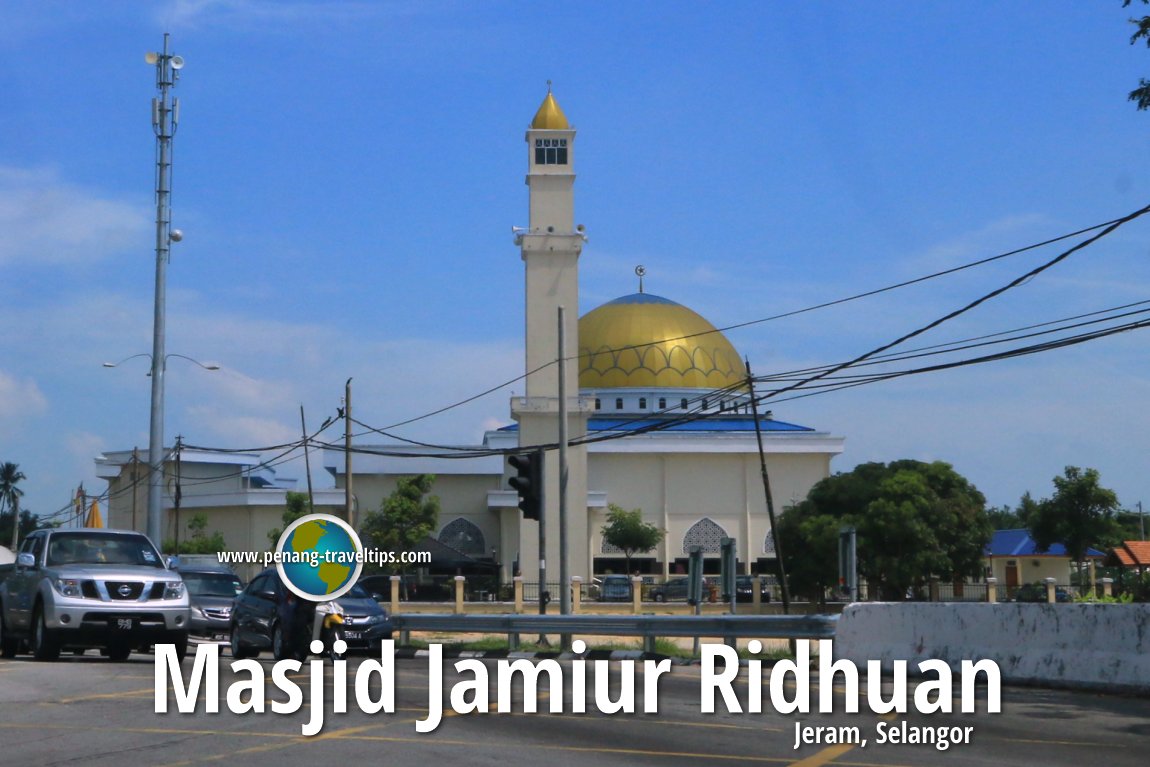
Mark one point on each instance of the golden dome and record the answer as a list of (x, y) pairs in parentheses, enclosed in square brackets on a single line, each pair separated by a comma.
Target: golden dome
[(550, 116), (645, 341)]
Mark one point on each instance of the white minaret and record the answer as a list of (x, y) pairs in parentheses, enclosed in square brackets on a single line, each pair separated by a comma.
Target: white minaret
[(550, 247)]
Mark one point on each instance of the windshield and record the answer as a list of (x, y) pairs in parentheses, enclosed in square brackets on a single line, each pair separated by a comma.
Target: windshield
[(358, 592), (89, 547), (212, 584)]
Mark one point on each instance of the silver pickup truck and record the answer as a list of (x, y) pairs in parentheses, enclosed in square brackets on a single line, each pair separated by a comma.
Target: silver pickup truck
[(78, 589)]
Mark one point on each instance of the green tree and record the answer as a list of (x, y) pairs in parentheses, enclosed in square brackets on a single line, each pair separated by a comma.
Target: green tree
[(1079, 515), (297, 506), (404, 519), (913, 520), (198, 540), (627, 530), (1006, 518), (28, 523), (10, 495), (1141, 94)]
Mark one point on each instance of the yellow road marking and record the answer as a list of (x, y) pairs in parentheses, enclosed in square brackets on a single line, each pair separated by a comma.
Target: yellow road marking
[(824, 756)]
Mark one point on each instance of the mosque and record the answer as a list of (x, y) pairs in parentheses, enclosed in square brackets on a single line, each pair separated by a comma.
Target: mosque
[(658, 418)]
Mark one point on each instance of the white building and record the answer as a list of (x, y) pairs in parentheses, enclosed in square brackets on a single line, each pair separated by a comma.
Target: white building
[(241, 496)]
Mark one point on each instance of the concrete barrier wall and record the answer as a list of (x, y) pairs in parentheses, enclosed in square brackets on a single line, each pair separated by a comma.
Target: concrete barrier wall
[(1095, 646)]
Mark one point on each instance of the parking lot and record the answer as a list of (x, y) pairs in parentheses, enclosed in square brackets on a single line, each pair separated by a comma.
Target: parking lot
[(91, 711)]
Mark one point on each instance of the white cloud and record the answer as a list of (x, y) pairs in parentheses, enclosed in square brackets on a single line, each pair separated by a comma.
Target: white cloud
[(48, 221), (20, 397)]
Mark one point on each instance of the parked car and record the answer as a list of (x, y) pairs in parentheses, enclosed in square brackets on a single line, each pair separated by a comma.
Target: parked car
[(380, 586), (615, 588), (677, 590), (745, 589), (211, 591), (77, 589), (1036, 592), (673, 590), (267, 615)]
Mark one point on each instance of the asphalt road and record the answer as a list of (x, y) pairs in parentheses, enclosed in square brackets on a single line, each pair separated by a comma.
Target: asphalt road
[(86, 710)]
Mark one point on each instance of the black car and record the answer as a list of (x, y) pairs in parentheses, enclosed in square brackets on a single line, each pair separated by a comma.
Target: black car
[(1036, 592), (211, 591), (745, 589), (673, 590), (266, 615)]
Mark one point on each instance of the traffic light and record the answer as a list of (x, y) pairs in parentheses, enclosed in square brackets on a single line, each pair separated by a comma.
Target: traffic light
[(528, 482)]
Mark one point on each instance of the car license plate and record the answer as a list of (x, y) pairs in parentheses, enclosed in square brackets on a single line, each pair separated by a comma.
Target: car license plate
[(353, 634), (122, 624)]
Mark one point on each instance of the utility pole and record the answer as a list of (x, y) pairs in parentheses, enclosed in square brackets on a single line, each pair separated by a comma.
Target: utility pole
[(177, 494), (347, 494), (165, 117), (1141, 521), (307, 463), (767, 490), (135, 486), (564, 574)]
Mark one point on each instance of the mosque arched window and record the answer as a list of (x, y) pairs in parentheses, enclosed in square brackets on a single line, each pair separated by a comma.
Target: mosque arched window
[(662, 403), (707, 534), (618, 403), (464, 536), (642, 403)]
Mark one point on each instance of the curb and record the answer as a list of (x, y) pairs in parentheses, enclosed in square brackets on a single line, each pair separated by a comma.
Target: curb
[(615, 655)]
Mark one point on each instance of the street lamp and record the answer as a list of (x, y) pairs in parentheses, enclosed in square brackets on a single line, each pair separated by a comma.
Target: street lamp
[(204, 365), (156, 456)]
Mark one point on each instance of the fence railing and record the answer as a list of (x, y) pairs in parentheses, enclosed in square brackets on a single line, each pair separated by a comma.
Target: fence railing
[(648, 627)]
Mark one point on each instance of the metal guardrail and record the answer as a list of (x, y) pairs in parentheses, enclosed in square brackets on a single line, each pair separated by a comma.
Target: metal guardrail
[(646, 626)]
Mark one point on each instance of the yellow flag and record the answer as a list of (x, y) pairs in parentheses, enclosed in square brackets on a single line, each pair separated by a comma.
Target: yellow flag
[(94, 518)]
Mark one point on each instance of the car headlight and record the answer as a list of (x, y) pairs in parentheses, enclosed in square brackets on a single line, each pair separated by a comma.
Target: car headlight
[(173, 589), (371, 620), (196, 612), (68, 587)]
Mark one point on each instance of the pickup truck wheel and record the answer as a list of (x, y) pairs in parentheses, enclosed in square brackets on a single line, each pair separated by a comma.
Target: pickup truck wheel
[(118, 653), (9, 645), (181, 643), (45, 644)]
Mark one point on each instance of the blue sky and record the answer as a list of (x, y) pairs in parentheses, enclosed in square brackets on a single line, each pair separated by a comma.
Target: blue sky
[(347, 175)]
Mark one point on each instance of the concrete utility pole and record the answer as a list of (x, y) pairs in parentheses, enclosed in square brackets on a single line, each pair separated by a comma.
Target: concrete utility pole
[(348, 498), (767, 490), (165, 117), (564, 569), (307, 463)]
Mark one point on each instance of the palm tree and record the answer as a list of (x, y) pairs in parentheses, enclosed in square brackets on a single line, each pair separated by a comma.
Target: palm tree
[(10, 476)]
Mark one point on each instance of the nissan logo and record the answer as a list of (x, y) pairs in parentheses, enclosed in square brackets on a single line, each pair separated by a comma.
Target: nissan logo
[(124, 590)]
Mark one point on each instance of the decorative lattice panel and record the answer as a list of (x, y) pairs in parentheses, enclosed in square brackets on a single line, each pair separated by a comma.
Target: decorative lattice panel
[(464, 536), (706, 533)]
